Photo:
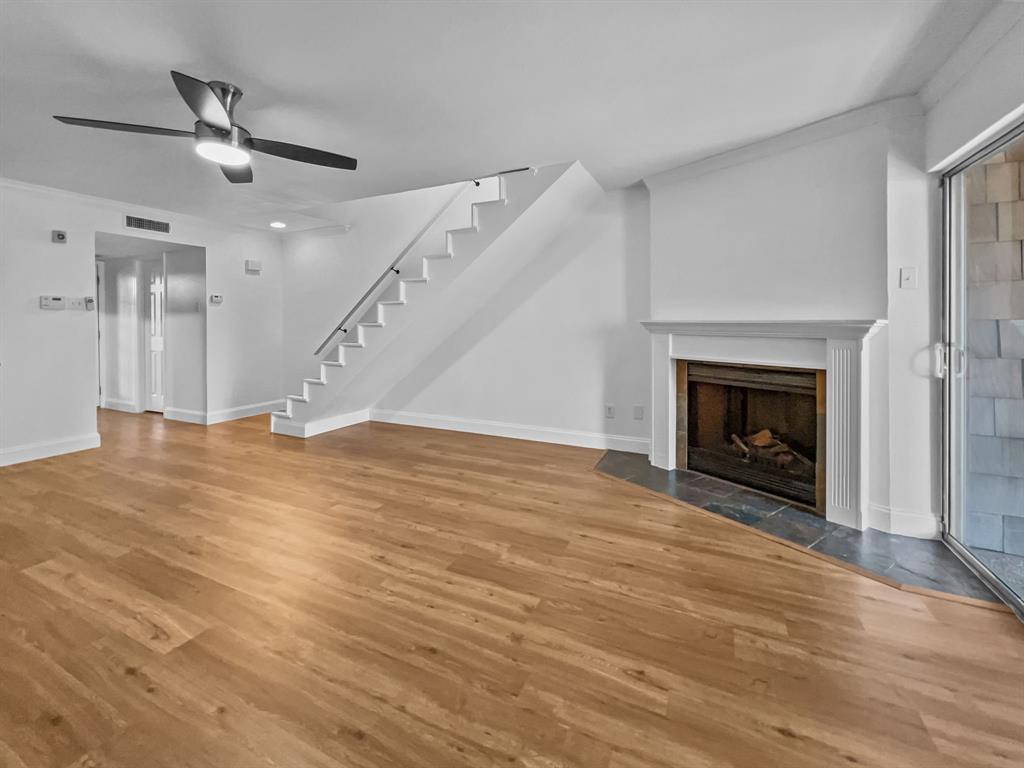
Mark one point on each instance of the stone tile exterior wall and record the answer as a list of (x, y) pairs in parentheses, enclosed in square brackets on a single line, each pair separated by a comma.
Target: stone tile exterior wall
[(995, 298)]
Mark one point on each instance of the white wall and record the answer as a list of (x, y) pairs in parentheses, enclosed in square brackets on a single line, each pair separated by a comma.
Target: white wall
[(561, 340), (796, 234), (48, 359), (328, 270), (185, 323)]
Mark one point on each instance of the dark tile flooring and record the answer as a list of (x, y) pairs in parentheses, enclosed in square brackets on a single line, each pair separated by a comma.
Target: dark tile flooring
[(918, 562)]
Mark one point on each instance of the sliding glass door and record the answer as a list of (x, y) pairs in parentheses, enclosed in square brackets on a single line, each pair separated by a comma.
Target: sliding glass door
[(982, 360)]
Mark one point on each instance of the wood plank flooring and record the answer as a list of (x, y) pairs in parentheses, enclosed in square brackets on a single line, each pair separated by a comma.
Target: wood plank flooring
[(389, 596)]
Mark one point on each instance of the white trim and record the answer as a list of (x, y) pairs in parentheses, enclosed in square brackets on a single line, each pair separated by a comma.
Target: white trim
[(48, 448), (987, 33), (183, 414), (126, 406), (514, 431), (243, 411), (879, 113), (903, 522), (784, 329), (282, 426)]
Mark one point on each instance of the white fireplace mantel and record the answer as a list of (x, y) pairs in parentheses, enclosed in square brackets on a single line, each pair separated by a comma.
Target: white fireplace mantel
[(839, 347)]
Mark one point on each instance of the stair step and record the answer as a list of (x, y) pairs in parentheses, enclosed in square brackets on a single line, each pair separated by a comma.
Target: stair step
[(281, 414), (298, 398), (352, 344), (371, 325), (332, 363), (463, 230), (392, 302), (319, 382), (415, 279), (438, 256)]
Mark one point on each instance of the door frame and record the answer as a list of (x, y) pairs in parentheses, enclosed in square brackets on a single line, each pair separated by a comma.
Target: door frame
[(950, 256)]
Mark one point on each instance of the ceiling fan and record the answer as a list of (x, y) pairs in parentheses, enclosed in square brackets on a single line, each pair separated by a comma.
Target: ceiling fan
[(218, 137)]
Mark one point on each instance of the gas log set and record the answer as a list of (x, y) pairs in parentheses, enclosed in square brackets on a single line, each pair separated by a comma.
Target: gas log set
[(765, 447)]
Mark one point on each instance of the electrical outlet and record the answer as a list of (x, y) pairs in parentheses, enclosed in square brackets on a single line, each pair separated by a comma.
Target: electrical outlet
[(609, 411), (638, 412)]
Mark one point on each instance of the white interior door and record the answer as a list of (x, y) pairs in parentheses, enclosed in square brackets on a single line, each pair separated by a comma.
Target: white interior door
[(155, 326)]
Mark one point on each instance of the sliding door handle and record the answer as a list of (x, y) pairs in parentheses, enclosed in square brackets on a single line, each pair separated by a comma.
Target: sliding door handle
[(940, 359)]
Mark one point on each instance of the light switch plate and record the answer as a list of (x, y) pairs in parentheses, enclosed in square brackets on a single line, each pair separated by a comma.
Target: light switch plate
[(638, 412), (609, 411), (908, 278)]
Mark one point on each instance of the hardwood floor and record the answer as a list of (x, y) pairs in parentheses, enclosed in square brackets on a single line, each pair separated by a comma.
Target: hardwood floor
[(392, 596)]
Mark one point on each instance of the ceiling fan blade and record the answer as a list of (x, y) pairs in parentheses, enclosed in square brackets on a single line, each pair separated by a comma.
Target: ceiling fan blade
[(128, 127), (202, 100), (303, 154), (238, 174)]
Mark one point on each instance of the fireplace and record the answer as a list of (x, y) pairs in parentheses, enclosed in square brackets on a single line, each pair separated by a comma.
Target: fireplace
[(759, 426)]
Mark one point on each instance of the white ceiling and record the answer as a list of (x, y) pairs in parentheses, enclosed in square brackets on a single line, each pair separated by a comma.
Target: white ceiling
[(430, 92)]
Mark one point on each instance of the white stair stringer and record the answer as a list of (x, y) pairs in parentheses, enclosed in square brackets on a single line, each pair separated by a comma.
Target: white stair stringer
[(413, 318)]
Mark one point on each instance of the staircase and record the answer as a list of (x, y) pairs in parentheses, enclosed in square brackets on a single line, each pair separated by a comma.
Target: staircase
[(482, 236)]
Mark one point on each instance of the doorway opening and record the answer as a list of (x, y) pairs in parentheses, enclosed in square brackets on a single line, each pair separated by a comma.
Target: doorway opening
[(982, 361), (151, 325)]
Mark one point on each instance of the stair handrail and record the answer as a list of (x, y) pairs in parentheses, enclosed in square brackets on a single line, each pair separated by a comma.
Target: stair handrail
[(392, 267)]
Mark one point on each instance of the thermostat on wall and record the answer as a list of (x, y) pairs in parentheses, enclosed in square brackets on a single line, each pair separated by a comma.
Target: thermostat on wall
[(216, 298), (51, 302)]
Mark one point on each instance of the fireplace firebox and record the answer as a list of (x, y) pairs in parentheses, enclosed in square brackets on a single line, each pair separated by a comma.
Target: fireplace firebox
[(759, 426)]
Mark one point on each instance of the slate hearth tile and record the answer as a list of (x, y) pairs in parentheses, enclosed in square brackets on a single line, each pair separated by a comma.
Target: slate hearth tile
[(761, 503), (716, 486), (797, 526), (930, 563), (868, 549), (734, 510), (622, 464)]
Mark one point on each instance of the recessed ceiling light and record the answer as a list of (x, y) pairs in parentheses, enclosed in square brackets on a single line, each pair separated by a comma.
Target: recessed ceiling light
[(278, 224)]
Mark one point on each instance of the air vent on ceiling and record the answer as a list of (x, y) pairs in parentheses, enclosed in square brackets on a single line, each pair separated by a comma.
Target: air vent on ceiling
[(150, 225)]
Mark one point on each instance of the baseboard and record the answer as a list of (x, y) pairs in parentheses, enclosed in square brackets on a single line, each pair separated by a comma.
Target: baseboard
[(318, 427), (226, 414), (183, 414), (127, 406), (47, 448), (515, 431), (244, 411), (903, 522)]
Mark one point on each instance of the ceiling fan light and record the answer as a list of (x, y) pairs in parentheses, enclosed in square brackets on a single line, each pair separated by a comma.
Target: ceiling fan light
[(222, 152)]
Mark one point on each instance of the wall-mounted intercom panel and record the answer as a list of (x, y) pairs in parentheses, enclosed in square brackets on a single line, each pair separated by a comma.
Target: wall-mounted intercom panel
[(51, 302), (216, 298)]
